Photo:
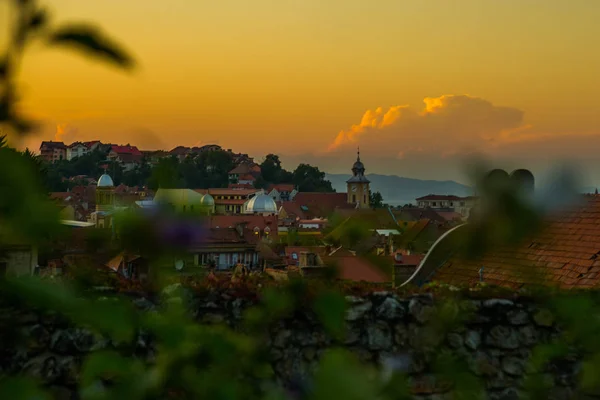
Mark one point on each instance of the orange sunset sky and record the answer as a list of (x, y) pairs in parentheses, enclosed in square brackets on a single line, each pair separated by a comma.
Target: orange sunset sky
[(416, 84)]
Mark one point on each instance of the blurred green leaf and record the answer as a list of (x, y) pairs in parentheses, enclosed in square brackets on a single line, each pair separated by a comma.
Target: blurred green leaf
[(340, 376), (124, 375), (589, 373), (277, 302), (108, 316), (91, 41), (453, 370), (330, 308), (21, 389)]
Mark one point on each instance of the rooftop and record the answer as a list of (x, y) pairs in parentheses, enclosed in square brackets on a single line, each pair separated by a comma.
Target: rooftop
[(564, 254)]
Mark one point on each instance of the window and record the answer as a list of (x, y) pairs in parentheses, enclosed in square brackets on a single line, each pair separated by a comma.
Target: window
[(434, 204), (451, 204), (192, 207), (184, 207), (364, 198), (462, 203), (354, 198), (294, 256)]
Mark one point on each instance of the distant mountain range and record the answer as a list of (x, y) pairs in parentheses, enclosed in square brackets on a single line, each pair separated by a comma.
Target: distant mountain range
[(397, 190)]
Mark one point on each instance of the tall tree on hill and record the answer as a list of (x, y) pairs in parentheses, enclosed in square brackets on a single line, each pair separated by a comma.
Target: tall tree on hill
[(307, 178), (166, 174), (214, 167), (376, 200), (272, 171)]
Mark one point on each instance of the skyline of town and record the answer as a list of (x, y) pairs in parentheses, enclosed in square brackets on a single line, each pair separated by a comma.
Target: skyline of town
[(310, 80)]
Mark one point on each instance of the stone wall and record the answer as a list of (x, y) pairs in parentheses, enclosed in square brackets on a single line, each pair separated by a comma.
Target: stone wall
[(496, 341)]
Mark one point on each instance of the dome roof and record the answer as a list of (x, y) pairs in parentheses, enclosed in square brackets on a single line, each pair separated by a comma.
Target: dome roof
[(262, 204), (358, 165), (207, 200), (105, 181)]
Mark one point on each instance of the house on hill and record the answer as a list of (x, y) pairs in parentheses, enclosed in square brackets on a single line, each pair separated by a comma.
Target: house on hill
[(53, 151), (242, 170), (282, 191), (128, 156), (448, 203), (233, 240), (76, 149)]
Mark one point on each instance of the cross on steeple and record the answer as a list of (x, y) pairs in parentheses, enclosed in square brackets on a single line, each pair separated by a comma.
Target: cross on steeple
[(358, 153)]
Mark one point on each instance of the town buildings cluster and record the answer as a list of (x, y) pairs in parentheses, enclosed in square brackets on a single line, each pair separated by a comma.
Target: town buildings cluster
[(282, 231), (278, 230)]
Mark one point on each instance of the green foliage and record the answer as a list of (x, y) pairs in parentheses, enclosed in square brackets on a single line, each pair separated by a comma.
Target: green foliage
[(376, 200), (330, 307), (273, 172), (341, 376), (307, 178), (21, 389), (201, 360)]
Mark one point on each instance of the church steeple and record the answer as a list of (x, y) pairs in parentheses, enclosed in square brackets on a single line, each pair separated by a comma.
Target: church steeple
[(358, 184)]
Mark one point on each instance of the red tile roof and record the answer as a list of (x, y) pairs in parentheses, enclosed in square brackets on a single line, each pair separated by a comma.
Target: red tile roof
[(292, 209), (120, 150), (450, 215), (321, 204), (90, 143), (53, 145), (355, 268), (60, 195), (245, 168), (415, 214), (247, 177), (222, 229), (180, 151), (227, 191), (252, 221), (566, 254), (407, 259), (240, 186), (440, 197)]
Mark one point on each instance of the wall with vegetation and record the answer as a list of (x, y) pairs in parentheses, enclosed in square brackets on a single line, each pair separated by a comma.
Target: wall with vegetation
[(474, 345)]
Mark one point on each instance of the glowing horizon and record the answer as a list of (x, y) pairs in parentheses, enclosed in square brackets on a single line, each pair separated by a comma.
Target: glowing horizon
[(290, 77)]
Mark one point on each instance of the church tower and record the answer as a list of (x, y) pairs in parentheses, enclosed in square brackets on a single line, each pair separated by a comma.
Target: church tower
[(105, 194), (358, 185)]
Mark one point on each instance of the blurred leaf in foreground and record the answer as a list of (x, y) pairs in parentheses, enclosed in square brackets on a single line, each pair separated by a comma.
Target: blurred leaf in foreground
[(340, 376), (21, 389), (91, 41), (330, 307)]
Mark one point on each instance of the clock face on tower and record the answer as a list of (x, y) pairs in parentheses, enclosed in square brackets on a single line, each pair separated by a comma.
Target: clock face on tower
[(353, 188)]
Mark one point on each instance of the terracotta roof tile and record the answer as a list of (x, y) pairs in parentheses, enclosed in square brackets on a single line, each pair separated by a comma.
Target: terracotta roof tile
[(564, 254), (355, 268)]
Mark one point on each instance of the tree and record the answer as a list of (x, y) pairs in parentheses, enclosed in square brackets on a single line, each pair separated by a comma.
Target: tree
[(310, 179), (376, 200), (214, 168), (272, 172), (260, 183), (166, 174)]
